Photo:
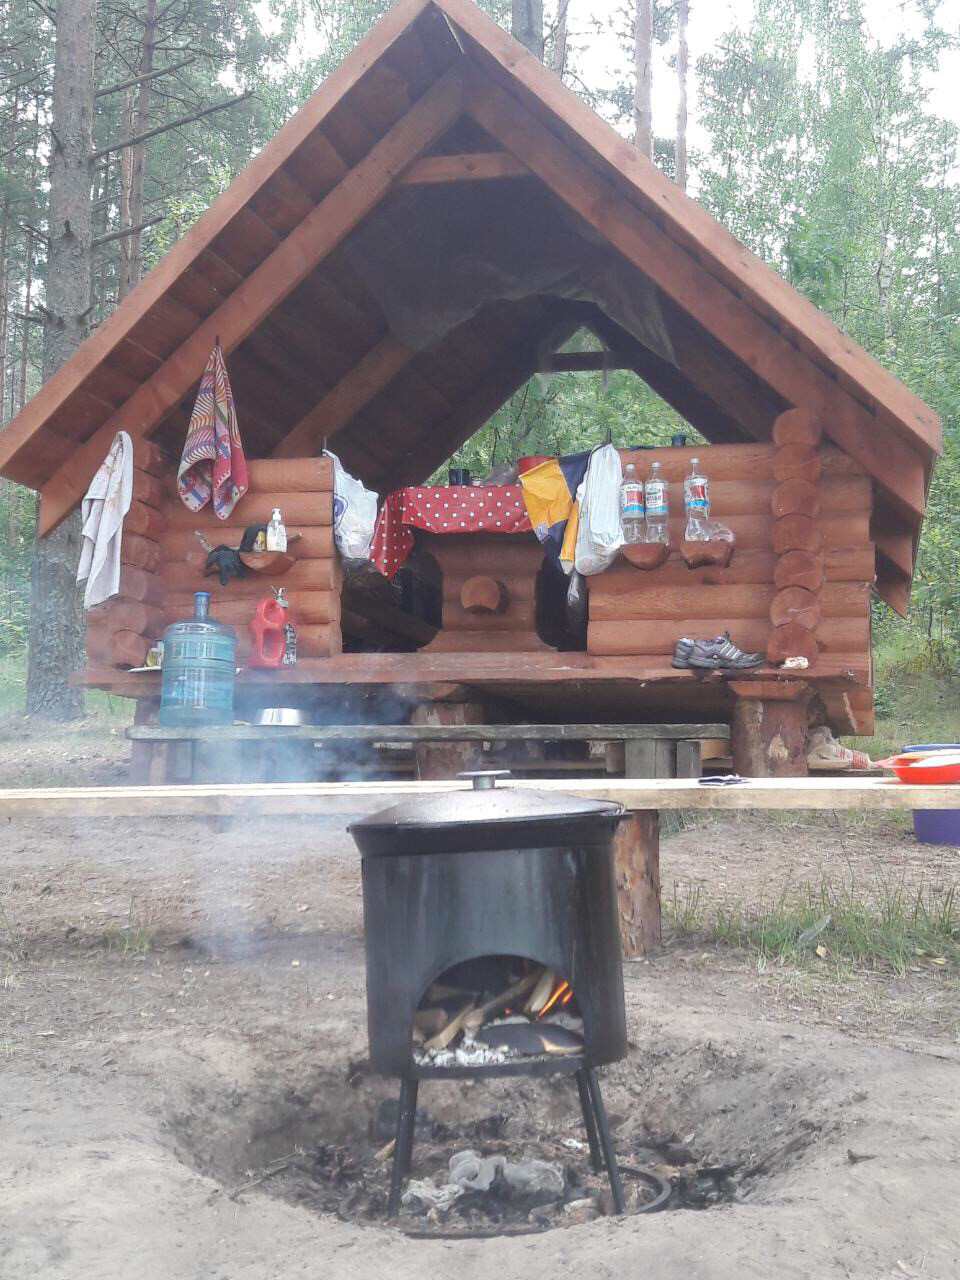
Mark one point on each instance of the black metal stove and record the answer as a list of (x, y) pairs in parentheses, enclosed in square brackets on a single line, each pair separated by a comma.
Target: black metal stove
[(492, 872)]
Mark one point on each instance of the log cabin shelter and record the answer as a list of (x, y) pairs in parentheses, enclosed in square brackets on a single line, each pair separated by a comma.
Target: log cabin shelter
[(425, 234)]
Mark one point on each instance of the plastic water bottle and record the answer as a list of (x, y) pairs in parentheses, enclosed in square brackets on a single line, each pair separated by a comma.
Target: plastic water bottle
[(658, 509), (631, 505), (696, 500)]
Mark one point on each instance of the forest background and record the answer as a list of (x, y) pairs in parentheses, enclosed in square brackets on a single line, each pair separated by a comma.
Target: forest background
[(817, 143)]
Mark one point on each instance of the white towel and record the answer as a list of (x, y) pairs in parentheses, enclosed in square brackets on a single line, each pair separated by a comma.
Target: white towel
[(107, 501)]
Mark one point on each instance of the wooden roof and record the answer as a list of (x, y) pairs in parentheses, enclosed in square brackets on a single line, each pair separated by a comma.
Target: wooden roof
[(438, 93)]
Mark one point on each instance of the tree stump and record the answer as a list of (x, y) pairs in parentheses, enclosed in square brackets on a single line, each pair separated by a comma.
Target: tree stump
[(636, 848), (768, 729)]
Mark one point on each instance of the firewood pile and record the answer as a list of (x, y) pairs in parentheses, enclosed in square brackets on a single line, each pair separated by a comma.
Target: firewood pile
[(487, 1012)]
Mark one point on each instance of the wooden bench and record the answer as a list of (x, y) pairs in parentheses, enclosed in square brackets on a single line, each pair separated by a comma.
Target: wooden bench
[(172, 754)]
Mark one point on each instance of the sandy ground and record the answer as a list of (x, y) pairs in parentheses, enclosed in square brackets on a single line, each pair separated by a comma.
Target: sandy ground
[(139, 1088)]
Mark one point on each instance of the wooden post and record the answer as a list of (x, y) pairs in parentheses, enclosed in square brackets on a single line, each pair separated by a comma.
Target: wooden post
[(437, 760), (141, 753), (768, 729), (636, 848)]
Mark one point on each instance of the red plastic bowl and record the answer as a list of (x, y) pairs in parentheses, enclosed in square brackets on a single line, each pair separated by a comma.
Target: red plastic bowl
[(939, 768)]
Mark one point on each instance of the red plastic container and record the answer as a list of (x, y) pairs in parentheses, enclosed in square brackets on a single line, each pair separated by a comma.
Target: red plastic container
[(266, 634)]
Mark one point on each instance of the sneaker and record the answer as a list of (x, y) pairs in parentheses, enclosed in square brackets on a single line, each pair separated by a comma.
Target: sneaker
[(825, 752), (722, 654), (681, 653)]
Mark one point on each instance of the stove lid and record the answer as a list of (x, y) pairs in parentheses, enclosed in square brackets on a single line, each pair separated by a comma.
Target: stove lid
[(485, 804)]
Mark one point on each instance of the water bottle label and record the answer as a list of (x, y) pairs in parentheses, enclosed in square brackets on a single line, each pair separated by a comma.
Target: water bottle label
[(697, 506), (656, 498), (696, 494)]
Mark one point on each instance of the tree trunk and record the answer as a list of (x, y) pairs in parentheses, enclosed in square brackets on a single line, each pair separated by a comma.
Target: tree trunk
[(643, 68), (133, 163), (526, 24), (558, 54), (683, 58), (56, 618)]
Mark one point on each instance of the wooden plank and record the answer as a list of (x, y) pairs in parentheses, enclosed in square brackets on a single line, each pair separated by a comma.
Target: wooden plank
[(323, 798), (475, 165), (261, 292), (436, 732), (186, 251), (366, 379), (693, 226), (897, 467)]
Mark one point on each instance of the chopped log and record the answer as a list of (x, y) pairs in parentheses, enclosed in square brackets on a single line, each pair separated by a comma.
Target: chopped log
[(299, 510), (637, 638), (484, 595), (137, 584), (795, 497), (750, 600), (768, 737), (697, 555), (184, 576), (276, 563), (801, 569), (306, 607), (127, 615), (149, 457), (797, 462), (144, 520), (645, 555), (797, 533), (312, 642), (797, 426), (792, 641), (636, 851), (141, 552), (289, 475), (437, 760), (150, 489), (796, 604)]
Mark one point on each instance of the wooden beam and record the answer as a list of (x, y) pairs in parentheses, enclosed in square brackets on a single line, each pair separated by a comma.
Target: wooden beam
[(107, 337), (480, 165), (897, 467), (585, 362), (366, 379), (433, 732), (322, 798), (263, 290)]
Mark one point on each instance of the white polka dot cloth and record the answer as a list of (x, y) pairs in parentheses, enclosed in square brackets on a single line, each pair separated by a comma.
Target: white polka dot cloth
[(457, 509)]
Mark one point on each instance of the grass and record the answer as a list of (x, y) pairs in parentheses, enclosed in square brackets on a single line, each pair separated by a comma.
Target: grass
[(103, 710), (135, 938), (888, 927), (913, 703)]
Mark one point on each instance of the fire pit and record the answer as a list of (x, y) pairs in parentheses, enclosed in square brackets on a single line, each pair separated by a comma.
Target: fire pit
[(493, 947)]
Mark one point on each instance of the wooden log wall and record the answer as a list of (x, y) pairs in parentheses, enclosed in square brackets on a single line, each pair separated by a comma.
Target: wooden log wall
[(512, 562), (119, 631), (799, 606), (163, 560), (773, 579)]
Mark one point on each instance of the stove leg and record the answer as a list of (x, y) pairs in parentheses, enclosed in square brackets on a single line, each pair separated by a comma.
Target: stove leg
[(403, 1150), (606, 1141), (589, 1123)]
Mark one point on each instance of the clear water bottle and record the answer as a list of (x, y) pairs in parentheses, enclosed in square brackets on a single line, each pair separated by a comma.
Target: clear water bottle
[(658, 509), (631, 505), (696, 500)]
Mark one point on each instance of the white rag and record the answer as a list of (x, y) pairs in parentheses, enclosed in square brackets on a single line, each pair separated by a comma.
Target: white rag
[(106, 502)]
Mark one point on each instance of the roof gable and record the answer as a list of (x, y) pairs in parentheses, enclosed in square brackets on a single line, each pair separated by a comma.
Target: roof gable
[(437, 91)]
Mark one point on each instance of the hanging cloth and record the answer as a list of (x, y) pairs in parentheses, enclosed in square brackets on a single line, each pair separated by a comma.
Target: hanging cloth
[(106, 503), (550, 494), (212, 464)]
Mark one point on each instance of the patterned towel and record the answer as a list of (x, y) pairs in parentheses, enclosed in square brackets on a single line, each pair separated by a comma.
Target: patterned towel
[(212, 463)]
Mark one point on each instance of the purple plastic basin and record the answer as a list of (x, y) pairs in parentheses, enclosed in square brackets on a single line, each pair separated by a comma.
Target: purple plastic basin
[(936, 826)]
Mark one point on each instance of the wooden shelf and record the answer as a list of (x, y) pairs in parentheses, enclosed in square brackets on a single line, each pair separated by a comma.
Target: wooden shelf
[(645, 555), (275, 562), (699, 554)]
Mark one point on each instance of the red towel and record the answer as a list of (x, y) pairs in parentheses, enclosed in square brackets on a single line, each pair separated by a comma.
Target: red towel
[(212, 463)]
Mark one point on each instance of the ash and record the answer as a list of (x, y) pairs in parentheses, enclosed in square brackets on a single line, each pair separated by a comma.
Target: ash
[(469, 1053)]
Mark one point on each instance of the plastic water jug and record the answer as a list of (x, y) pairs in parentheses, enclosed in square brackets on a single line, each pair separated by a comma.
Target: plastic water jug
[(199, 669)]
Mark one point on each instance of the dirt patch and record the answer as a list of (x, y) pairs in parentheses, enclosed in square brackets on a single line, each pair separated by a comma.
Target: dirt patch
[(181, 1005)]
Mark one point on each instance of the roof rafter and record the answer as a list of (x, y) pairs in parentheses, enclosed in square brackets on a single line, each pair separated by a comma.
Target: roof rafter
[(266, 286)]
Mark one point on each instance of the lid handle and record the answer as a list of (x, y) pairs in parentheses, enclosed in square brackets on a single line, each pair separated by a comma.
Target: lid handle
[(484, 779)]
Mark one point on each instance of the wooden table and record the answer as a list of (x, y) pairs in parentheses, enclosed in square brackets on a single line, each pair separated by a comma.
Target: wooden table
[(637, 842)]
